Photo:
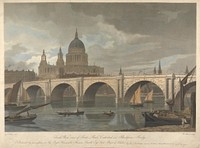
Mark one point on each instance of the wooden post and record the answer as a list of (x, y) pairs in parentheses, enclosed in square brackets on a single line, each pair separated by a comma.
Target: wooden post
[(193, 110)]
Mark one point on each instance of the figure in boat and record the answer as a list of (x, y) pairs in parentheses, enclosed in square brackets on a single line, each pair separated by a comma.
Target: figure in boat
[(68, 113), (136, 100), (15, 97), (149, 97), (110, 113)]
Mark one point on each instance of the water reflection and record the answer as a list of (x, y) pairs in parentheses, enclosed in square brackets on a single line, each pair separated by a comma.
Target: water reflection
[(93, 119)]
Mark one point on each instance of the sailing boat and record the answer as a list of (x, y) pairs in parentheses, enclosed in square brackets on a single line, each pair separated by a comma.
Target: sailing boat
[(136, 99), (168, 117), (149, 97), (15, 96), (18, 118)]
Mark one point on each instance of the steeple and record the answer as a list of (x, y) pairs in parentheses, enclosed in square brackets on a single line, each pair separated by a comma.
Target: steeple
[(60, 61), (159, 68), (186, 70), (43, 58), (60, 54), (120, 71), (76, 34)]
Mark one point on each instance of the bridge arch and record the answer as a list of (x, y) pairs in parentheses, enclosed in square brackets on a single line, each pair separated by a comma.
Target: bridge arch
[(89, 95), (146, 86), (35, 93), (58, 91)]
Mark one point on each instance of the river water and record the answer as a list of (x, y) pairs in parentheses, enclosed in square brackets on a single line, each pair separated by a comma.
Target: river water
[(125, 118)]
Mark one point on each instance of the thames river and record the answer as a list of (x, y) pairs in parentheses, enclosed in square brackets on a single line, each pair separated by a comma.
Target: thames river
[(125, 117)]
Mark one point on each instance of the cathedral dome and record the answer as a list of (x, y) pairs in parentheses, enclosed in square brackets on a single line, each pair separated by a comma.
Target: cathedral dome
[(76, 45)]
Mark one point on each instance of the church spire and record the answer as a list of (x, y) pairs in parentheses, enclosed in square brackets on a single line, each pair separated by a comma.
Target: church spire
[(186, 70), (159, 69), (76, 34), (120, 71), (60, 61), (43, 58)]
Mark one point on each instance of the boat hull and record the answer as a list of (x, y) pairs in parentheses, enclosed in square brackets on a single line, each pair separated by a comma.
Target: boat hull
[(148, 101), (136, 105), (70, 113), (151, 120), (109, 113), (20, 119)]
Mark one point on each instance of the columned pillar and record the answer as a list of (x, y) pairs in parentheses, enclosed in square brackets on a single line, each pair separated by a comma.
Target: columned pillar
[(78, 91), (172, 86), (118, 91), (166, 89), (81, 90), (47, 90)]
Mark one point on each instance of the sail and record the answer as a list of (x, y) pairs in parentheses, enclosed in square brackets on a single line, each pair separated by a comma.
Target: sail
[(17, 95), (149, 96), (136, 99), (13, 97), (7, 96)]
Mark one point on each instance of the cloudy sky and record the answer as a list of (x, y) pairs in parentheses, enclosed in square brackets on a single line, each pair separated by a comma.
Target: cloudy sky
[(133, 36)]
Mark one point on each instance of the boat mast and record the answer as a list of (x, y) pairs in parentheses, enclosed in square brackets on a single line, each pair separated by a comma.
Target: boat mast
[(182, 83)]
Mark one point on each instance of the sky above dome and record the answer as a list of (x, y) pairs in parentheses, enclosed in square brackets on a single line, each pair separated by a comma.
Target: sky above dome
[(133, 36)]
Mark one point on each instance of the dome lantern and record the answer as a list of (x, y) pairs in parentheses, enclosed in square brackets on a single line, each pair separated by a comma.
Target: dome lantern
[(76, 45)]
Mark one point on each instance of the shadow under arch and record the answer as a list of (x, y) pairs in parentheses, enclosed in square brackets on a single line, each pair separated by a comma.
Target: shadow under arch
[(36, 94), (90, 98), (63, 95), (146, 86)]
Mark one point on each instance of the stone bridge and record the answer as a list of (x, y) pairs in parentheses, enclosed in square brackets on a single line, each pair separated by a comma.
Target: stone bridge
[(85, 88)]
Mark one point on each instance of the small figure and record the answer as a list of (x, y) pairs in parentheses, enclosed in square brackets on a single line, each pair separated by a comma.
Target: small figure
[(155, 115), (183, 121)]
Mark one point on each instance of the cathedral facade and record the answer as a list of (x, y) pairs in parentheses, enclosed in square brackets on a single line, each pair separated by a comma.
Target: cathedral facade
[(76, 64)]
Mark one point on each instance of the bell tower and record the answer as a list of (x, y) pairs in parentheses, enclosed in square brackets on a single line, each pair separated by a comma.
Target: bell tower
[(43, 59)]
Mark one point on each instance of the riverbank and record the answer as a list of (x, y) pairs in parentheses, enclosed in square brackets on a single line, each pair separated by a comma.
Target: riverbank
[(165, 128)]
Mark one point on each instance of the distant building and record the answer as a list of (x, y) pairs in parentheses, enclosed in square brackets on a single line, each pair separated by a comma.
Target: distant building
[(76, 63), (14, 76)]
